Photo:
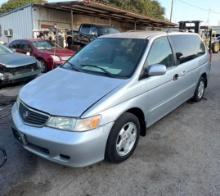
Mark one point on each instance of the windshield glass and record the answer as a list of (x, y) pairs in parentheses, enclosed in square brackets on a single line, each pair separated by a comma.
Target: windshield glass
[(4, 50), (43, 45), (110, 57), (107, 30)]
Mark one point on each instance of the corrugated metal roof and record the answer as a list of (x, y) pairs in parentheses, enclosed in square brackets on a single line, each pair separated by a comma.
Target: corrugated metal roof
[(93, 8)]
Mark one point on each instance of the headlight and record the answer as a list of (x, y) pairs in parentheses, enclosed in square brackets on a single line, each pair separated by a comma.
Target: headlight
[(55, 58), (72, 124)]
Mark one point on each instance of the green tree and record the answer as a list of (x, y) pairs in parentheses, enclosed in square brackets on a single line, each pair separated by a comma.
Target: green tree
[(150, 8), (13, 4)]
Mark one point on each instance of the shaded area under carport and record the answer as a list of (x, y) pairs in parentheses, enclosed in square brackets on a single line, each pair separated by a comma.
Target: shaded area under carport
[(95, 9)]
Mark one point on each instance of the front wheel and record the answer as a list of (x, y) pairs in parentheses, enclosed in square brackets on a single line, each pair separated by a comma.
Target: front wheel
[(43, 65), (123, 138), (200, 90)]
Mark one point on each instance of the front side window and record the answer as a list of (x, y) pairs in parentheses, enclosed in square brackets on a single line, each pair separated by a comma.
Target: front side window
[(160, 53), (113, 57)]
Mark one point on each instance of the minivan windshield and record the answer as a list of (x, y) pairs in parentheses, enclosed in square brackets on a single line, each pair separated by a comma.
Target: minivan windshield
[(112, 57)]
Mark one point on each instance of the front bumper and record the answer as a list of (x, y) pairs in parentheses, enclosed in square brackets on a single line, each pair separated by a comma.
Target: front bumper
[(9, 78), (76, 149)]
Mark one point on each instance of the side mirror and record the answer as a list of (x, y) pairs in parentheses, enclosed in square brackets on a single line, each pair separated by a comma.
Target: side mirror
[(156, 70)]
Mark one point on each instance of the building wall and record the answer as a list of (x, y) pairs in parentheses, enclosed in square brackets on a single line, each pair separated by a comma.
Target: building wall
[(28, 21), (79, 19), (20, 21), (45, 17)]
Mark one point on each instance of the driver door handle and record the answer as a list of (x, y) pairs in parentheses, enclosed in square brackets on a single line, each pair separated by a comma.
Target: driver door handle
[(176, 77)]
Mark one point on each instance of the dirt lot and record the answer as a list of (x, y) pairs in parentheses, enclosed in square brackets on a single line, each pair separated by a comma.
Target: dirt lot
[(180, 156)]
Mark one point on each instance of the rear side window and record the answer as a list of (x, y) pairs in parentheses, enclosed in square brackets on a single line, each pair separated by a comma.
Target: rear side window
[(187, 47), (14, 44), (160, 53)]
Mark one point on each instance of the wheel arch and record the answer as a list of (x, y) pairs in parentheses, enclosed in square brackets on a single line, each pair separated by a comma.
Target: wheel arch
[(204, 75), (141, 117)]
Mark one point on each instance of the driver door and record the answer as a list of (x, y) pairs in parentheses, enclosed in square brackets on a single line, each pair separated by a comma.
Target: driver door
[(160, 93)]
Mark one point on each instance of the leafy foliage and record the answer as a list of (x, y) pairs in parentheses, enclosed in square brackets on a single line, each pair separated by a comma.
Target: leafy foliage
[(150, 8), (13, 4)]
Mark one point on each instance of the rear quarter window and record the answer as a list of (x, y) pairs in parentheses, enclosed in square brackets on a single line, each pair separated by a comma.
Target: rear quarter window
[(187, 47)]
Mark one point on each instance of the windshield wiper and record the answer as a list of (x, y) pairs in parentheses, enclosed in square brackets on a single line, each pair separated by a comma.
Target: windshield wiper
[(107, 73), (73, 66)]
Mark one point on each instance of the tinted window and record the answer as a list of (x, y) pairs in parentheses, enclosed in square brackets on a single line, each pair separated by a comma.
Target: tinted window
[(93, 31), (14, 44), (160, 53), (187, 47), (108, 56), (85, 29)]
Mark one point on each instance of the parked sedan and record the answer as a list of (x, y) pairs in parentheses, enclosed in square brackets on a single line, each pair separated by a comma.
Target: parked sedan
[(16, 67), (49, 55)]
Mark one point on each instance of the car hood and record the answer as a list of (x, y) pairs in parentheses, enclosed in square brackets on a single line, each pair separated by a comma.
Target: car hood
[(67, 93), (14, 60), (59, 52)]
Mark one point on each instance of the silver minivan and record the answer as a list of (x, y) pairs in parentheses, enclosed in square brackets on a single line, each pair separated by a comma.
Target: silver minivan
[(96, 105)]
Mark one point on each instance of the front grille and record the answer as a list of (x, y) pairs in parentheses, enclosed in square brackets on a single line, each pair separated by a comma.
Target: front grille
[(31, 116), (23, 69)]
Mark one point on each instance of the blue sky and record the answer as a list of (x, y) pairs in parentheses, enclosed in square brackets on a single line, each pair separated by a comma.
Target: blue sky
[(194, 10), (204, 10)]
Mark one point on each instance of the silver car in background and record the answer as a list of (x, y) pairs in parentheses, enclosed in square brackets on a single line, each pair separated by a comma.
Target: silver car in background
[(98, 103), (16, 67)]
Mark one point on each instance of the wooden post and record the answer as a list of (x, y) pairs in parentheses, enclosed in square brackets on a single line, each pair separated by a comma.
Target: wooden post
[(110, 21), (72, 22), (135, 25)]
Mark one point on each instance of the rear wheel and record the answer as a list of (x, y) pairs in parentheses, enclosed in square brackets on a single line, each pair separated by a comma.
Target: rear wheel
[(123, 138), (200, 90)]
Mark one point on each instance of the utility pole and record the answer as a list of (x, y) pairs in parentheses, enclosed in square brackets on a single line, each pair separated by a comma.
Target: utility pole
[(171, 11)]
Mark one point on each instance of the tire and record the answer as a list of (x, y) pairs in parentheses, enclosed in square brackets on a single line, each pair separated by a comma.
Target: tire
[(200, 90), (43, 65), (126, 130)]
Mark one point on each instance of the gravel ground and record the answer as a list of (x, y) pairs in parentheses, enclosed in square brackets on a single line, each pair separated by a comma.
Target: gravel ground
[(180, 156)]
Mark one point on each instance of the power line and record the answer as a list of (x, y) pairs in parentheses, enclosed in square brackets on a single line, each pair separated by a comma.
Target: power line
[(198, 7)]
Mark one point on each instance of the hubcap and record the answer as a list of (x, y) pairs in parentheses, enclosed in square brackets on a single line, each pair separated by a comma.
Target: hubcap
[(43, 66), (126, 139), (201, 89)]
